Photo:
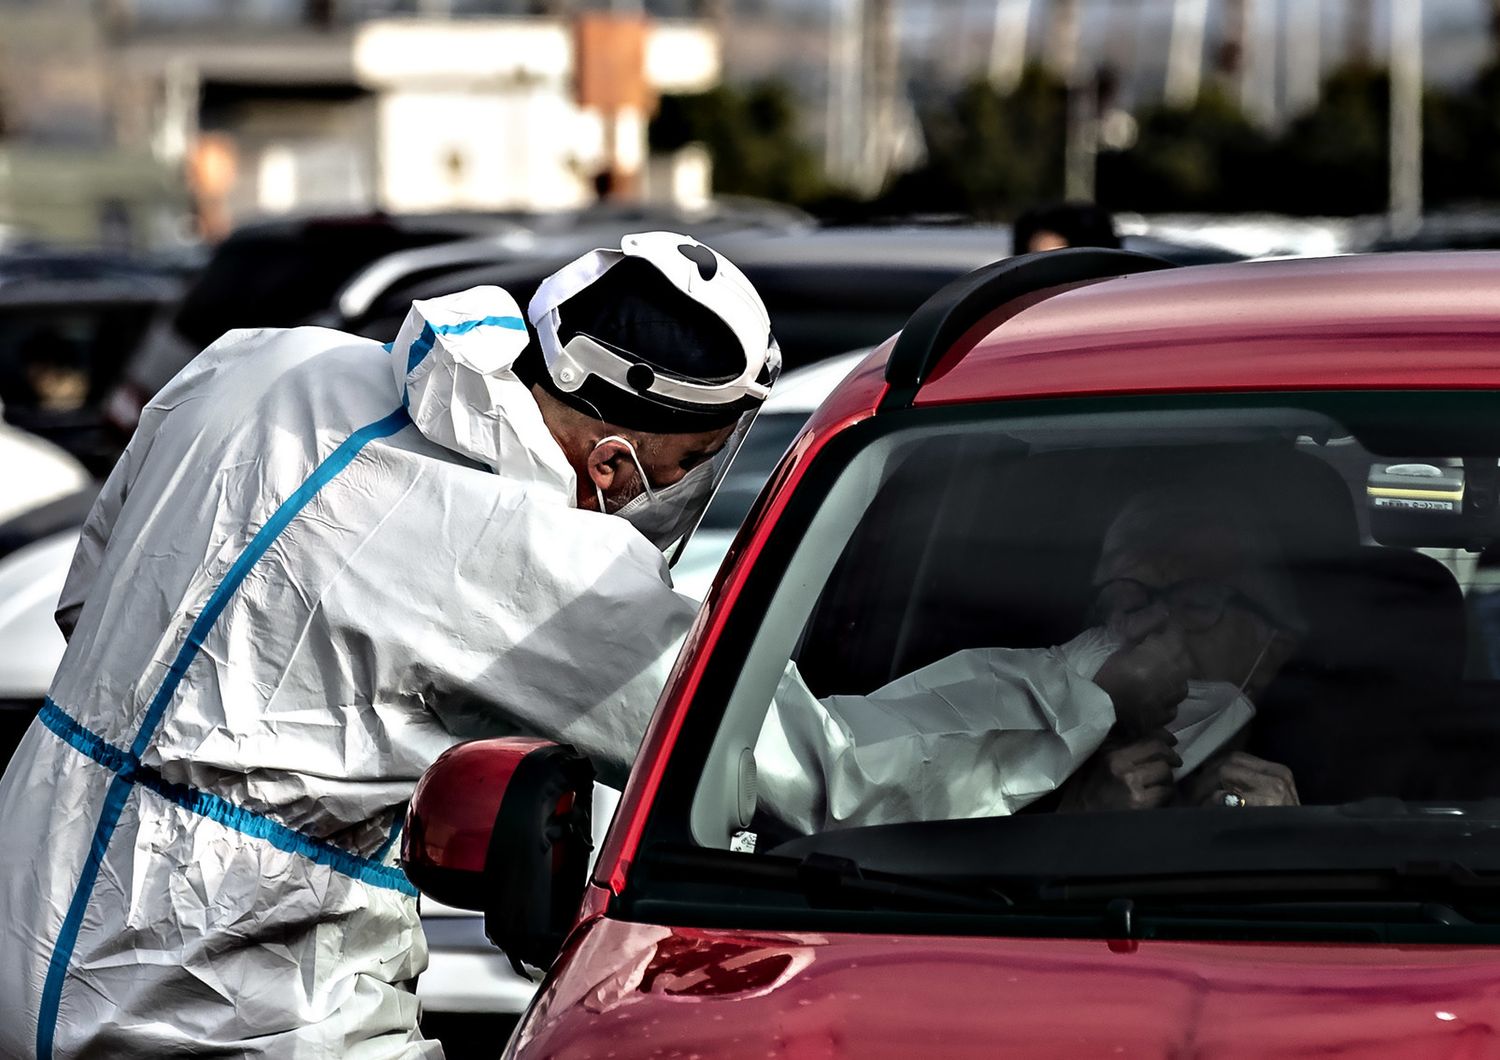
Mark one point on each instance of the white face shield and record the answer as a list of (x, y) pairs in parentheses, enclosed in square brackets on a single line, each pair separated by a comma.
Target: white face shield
[(667, 515)]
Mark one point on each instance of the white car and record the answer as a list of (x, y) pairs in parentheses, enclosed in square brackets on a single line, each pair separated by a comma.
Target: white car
[(36, 471)]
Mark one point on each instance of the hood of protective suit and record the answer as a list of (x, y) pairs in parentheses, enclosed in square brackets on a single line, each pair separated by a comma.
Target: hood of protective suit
[(458, 382)]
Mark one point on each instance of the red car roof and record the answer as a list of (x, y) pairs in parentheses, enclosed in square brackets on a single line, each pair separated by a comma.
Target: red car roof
[(1383, 321)]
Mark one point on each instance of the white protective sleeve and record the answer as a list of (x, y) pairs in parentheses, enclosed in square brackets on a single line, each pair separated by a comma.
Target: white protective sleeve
[(980, 733)]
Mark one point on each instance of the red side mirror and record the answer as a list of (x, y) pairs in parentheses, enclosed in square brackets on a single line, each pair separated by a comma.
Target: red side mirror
[(503, 826)]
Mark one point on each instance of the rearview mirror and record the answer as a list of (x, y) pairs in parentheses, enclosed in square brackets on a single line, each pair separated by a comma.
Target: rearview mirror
[(503, 827)]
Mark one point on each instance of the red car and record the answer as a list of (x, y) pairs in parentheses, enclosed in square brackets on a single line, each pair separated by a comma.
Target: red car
[(905, 793)]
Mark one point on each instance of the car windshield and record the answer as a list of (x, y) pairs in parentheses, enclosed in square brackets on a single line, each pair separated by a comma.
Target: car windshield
[(1070, 644)]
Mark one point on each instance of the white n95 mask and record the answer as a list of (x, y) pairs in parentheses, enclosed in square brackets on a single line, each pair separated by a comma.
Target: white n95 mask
[(664, 515), (1210, 716)]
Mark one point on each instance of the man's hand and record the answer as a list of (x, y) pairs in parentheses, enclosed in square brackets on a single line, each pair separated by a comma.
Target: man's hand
[(1256, 781), (1137, 776), (1146, 681)]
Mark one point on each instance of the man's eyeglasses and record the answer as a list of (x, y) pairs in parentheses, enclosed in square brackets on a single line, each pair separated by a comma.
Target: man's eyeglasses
[(1197, 604)]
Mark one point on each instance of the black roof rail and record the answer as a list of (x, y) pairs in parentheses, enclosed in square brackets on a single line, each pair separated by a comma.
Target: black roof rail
[(942, 319)]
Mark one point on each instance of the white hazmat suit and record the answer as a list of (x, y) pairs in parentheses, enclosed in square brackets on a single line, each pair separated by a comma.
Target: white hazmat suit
[(319, 564)]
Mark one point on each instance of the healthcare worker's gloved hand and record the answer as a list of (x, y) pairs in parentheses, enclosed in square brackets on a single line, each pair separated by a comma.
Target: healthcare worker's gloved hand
[(1146, 680), (1137, 776)]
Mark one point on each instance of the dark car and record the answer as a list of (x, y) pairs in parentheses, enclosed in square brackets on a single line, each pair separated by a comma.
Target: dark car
[(288, 272), (275, 274), (829, 290), (69, 322)]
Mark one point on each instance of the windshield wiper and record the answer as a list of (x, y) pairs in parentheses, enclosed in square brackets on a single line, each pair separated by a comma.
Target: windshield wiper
[(1444, 893), (1416, 881), (827, 882)]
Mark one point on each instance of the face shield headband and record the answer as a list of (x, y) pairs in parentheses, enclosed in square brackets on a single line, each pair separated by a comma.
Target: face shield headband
[(728, 294)]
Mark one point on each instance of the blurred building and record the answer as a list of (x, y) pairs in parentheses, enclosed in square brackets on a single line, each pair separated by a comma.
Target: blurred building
[(400, 114)]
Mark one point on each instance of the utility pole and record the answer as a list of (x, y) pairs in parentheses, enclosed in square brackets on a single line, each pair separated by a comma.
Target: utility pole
[(1185, 52), (1357, 33), (1233, 67), (1262, 54), (845, 19), (1062, 39), (1304, 54), (1008, 43), (882, 74), (1406, 117), (1081, 147)]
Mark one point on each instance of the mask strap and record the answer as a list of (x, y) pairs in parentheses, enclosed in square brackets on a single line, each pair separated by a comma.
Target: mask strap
[(1258, 659)]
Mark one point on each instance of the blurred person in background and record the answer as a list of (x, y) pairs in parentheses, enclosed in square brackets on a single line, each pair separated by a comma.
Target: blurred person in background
[(320, 563), (1064, 224)]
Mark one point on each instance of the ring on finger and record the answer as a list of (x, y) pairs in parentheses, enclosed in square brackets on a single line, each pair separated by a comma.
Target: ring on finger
[(1233, 800)]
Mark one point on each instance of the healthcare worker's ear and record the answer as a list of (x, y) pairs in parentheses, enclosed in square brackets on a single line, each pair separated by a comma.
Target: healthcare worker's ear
[(607, 465)]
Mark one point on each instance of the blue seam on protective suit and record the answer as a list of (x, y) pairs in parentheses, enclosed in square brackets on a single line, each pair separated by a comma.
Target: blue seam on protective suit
[(214, 807), (390, 840), (57, 968), (428, 338), (339, 459), (119, 791)]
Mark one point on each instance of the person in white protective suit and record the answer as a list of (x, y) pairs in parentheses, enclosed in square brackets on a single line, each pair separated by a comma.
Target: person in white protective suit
[(320, 563)]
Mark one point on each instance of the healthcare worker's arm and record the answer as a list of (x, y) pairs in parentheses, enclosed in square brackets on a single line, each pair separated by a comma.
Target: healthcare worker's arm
[(556, 623), (983, 732)]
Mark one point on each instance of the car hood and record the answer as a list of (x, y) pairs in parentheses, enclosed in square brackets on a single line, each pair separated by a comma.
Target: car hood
[(636, 990)]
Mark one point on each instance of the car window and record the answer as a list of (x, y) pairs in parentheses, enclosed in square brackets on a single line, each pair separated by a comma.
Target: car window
[(57, 359), (1045, 641)]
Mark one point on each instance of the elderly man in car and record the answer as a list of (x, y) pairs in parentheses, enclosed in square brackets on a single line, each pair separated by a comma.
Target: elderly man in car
[(1147, 707), (1191, 594)]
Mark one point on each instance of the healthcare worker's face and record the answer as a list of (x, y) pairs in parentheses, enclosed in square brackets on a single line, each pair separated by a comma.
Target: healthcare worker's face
[(1192, 592), (666, 458)]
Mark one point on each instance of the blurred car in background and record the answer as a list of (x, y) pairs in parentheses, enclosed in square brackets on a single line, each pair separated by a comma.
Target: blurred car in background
[(828, 290), (36, 472), (557, 237), (31, 645), (274, 274), (1452, 230), (288, 272), (69, 321)]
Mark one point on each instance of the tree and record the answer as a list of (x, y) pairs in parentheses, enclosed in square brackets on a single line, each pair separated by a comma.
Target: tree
[(989, 153), (1205, 156), (751, 135)]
